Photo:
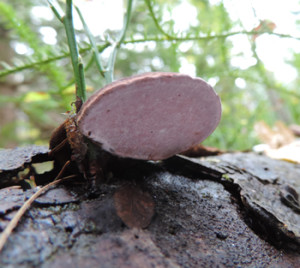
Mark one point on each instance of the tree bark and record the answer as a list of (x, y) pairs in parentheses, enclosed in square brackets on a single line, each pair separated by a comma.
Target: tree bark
[(233, 210)]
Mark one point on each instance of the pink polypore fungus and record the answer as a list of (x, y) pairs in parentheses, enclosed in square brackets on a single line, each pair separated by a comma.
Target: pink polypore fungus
[(151, 116)]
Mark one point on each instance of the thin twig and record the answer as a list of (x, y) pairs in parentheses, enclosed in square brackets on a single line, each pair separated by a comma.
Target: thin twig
[(15, 69), (117, 44), (67, 20), (33, 64), (62, 170), (126, 22), (69, 27), (206, 37), (159, 28), (93, 44), (58, 147), (56, 10)]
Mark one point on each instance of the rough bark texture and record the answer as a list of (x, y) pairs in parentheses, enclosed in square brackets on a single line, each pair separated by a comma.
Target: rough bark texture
[(232, 210)]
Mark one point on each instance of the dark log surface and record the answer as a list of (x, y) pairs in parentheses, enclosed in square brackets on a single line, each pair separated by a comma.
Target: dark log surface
[(234, 210)]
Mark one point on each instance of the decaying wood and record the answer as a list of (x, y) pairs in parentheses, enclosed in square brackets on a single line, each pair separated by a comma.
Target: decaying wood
[(15, 220), (12, 161), (231, 210)]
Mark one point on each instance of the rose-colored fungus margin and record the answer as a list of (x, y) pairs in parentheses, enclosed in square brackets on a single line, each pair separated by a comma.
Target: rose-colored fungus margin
[(151, 116)]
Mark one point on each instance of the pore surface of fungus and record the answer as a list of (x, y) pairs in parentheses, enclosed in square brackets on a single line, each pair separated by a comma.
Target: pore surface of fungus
[(151, 116)]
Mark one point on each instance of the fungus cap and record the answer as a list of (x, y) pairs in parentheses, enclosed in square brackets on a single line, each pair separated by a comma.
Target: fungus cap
[(151, 116)]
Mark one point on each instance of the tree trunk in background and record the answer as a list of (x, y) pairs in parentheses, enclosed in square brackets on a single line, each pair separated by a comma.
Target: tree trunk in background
[(7, 88)]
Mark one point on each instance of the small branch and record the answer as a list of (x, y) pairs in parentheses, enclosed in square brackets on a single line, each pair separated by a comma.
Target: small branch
[(56, 10), (67, 20), (82, 92), (159, 28), (93, 45), (142, 40), (79, 78), (207, 37), (111, 63), (116, 45), (31, 65), (126, 23)]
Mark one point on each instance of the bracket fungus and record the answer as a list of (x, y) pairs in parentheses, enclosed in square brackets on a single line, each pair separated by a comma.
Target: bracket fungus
[(150, 116)]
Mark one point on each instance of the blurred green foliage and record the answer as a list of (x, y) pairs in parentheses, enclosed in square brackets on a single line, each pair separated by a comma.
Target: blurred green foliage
[(39, 84)]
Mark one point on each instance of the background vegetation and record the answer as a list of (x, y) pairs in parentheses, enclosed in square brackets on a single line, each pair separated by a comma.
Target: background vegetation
[(37, 82)]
